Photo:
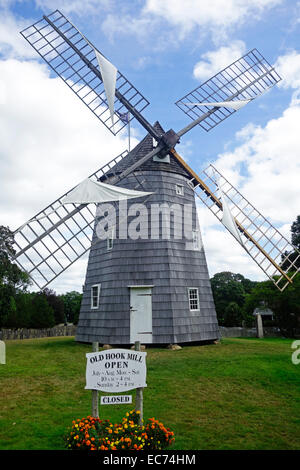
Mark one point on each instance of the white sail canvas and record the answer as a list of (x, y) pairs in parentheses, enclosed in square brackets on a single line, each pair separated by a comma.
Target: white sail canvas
[(109, 77), (228, 219), (238, 104), (89, 191)]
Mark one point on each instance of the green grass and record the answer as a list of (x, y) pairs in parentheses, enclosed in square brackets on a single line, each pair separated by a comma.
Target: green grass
[(238, 394)]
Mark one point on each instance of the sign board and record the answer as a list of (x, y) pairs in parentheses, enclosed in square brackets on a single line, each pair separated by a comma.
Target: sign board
[(116, 370), (116, 399)]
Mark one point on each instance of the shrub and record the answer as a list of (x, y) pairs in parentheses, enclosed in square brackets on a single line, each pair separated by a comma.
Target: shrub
[(95, 434)]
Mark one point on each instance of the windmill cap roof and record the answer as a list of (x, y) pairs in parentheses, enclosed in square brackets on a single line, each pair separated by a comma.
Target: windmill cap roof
[(142, 149)]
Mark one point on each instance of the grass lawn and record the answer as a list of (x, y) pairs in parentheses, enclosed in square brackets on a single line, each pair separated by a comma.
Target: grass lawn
[(238, 394)]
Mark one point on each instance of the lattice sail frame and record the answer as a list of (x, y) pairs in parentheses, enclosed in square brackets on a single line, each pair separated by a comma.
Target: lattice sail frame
[(57, 236), (260, 239), (78, 73), (245, 79)]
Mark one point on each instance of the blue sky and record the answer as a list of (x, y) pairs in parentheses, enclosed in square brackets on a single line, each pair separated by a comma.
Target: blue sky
[(49, 141)]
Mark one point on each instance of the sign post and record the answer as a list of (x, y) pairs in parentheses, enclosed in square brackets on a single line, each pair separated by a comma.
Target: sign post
[(139, 392), (95, 409)]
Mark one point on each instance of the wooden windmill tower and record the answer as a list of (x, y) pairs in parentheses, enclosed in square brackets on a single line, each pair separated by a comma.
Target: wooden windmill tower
[(149, 286)]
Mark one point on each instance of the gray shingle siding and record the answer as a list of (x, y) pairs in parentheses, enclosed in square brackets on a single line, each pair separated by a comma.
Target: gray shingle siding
[(165, 264)]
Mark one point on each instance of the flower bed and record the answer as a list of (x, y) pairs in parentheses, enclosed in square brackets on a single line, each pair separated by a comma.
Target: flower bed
[(95, 434)]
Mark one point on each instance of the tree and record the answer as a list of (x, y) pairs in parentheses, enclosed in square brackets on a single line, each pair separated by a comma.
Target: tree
[(12, 278), (10, 273), (295, 230), (57, 305), (295, 239), (233, 314), (285, 305), (230, 288), (42, 314), (72, 303)]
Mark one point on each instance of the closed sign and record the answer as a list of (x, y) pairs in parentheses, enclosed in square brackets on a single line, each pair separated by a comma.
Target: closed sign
[(116, 399)]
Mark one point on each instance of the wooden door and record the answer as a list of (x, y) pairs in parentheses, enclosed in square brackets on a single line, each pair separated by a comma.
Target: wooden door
[(141, 314)]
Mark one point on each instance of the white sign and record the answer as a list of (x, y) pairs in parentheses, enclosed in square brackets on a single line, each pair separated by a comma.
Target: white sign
[(116, 399), (116, 370)]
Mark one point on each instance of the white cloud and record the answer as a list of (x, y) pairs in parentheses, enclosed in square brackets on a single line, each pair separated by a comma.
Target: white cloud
[(49, 141), (288, 67), (220, 14), (12, 44), (168, 22), (265, 168), (214, 61)]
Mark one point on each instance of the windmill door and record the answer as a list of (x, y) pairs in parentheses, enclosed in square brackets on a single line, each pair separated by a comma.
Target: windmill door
[(141, 314)]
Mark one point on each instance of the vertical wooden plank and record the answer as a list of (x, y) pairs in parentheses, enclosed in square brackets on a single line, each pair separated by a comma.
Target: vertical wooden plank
[(2, 353), (95, 406), (139, 392), (259, 326)]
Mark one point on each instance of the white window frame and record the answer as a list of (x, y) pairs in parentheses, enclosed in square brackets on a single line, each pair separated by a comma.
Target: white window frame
[(179, 190), (196, 239), (110, 241), (95, 306), (191, 299)]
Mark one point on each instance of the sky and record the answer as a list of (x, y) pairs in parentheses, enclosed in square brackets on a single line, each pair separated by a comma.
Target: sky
[(49, 141)]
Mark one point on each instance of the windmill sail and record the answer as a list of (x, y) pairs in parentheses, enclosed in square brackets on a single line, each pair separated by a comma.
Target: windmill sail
[(60, 234), (76, 61), (261, 240), (236, 85), (57, 236)]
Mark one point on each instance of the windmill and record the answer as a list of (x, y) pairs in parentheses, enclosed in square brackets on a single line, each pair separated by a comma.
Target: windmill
[(146, 288)]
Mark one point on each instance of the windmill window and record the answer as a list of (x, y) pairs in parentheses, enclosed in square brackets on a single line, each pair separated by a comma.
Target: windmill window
[(110, 241), (194, 299), (95, 295), (196, 240), (179, 190)]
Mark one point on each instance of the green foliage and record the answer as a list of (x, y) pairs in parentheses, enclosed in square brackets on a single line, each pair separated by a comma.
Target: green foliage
[(295, 239), (12, 279), (285, 305), (57, 304), (72, 303), (42, 315), (295, 230), (229, 292), (232, 314)]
